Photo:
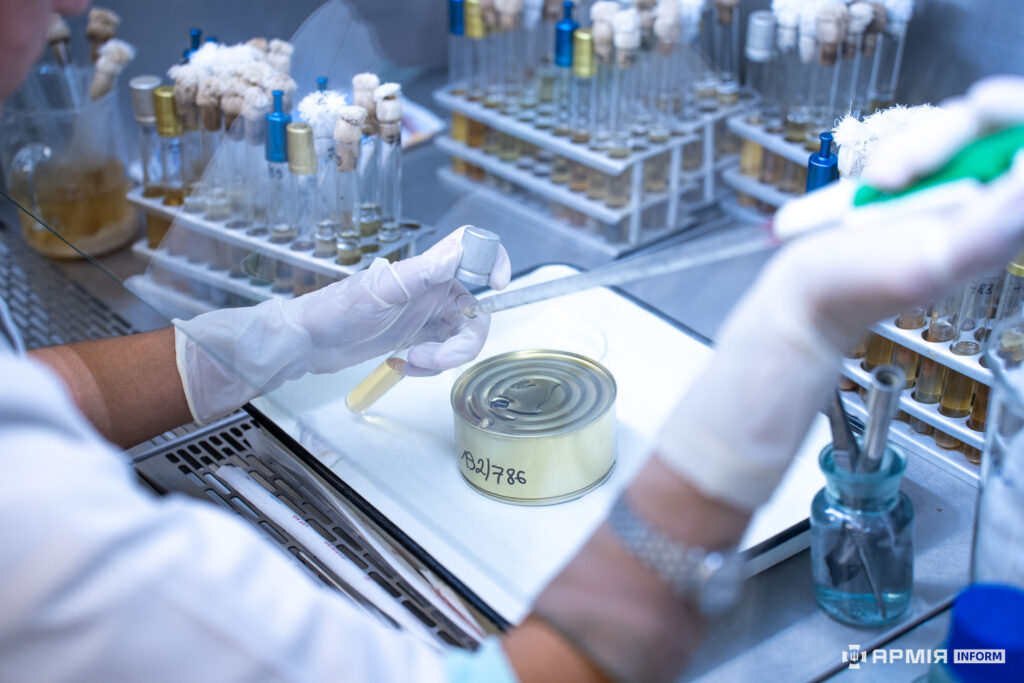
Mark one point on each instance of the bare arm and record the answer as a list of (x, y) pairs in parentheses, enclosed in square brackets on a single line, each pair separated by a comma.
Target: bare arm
[(127, 387)]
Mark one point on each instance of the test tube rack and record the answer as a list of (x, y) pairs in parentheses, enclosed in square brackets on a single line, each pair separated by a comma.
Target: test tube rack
[(191, 279), (793, 152), (612, 230), (956, 427)]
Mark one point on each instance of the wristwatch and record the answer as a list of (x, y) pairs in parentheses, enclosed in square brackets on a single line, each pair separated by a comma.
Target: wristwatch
[(712, 581)]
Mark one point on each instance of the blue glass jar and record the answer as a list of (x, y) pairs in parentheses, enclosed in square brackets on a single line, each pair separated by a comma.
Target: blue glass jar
[(862, 542)]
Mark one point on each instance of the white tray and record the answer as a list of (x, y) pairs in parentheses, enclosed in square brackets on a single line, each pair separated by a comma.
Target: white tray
[(400, 457)]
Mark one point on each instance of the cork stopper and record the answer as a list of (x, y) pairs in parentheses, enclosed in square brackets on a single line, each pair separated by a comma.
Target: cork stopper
[(831, 30), (389, 104), (301, 149), (724, 10), (231, 105), (167, 124), (347, 134), (57, 31), (365, 81), (259, 43), (626, 28)]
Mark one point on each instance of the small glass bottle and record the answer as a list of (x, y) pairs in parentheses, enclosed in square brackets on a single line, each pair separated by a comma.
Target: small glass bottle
[(862, 542), (302, 163), (279, 208), (347, 136), (389, 114), (476, 57), (457, 46), (564, 81), (149, 142)]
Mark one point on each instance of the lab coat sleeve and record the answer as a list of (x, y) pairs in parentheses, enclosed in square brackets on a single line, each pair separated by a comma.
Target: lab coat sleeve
[(100, 581)]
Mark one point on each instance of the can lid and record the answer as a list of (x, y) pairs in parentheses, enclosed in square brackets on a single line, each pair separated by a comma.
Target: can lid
[(583, 64), (456, 18), (479, 252), (760, 35), (277, 123), (167, 123), (823, 165), (987, 617), (142, 99), (301, 149), (534, 393), (474, 20), (564, 30)]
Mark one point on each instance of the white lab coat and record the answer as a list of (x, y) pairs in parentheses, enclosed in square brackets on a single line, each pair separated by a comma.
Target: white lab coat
[(101, 581)]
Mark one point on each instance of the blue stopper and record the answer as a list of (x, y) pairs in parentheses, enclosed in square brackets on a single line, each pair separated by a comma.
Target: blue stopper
[(277, 123), (456, 17), (564, 31), (196, 36), (186, 53), (212, 39), (987, 617), (823, 165), (321, 83)]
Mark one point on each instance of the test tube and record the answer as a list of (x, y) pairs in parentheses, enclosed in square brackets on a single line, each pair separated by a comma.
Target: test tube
[(726, 40), (885, 69), (958, 389), (759, 51), (564, 81), (860, 15), (627, 43), (347, 136), (192, 165), (494, 46), (457, 57), (476, 60), (302, 163), (1011, 295), (584, 75), (862, 85), (363, 87), (149, 143), (256, 187), (389, 114), (279, 209), (512, 45), (879, 352), (479, 253)]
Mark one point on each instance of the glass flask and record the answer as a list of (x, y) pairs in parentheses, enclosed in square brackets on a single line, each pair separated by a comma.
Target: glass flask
[(862, 542)]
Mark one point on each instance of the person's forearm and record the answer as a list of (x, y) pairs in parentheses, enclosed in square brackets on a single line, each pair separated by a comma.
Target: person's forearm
[(127, 387), (605, 615)]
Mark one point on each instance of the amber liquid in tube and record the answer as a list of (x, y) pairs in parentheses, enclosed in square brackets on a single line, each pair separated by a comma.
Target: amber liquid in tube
[(618, 190), (879, 352), (560, 170), (979, 411), (578, 176), (597, 185), (376, 384), (905, 360)]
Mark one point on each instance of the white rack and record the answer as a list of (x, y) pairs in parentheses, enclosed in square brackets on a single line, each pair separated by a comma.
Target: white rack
[(937, 351), (168, 301), (901, 432), (791, 151), (204, 273), (768, 194), (539, 216), (305, 260), (743, 214), (702, 128)]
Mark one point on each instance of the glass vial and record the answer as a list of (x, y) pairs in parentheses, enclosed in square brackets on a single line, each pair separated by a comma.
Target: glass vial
[(347, 137), (389, 115), (302, 163), (279, 206), (862, 542)]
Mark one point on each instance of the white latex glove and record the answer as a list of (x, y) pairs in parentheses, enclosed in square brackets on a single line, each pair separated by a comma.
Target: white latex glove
[(229, 356), (735, 432)]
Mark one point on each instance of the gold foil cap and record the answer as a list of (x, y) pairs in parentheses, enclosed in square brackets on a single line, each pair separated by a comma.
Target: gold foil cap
[(583, 64), (1016, 266), (301, 151), (474, 19), (167, 124)]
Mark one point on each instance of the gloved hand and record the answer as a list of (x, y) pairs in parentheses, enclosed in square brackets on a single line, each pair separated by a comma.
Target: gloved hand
[(734, 434), (229, 356), (731, 438)]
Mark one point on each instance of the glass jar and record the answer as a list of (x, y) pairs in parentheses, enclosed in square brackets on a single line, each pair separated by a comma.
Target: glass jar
[(862, 542), (999, 535)]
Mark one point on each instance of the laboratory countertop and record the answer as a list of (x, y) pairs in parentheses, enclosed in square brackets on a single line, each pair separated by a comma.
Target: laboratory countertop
[(780, 628)]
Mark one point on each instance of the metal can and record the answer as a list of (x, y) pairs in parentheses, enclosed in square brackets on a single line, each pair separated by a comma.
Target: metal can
[(535, 427)]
